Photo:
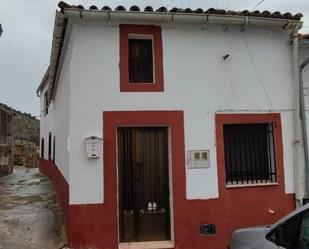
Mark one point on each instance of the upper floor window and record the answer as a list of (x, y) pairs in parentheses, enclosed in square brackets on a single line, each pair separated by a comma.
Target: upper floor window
[(140, 60), (141, 68)]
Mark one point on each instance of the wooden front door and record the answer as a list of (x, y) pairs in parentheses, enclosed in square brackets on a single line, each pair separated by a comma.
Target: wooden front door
[(143, 187)]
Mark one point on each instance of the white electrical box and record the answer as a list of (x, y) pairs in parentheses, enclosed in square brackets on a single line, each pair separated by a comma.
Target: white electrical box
[(197, 159), (94, 147)]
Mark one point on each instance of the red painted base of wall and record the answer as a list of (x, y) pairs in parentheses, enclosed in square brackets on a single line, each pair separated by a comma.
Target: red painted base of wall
[(95, 225), (62, 187), (83, 223)]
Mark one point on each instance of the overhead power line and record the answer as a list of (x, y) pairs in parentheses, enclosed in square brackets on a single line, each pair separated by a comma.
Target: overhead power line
[(258, 5)]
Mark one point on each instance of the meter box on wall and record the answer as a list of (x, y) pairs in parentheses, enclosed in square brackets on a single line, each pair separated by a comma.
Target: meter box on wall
[(93, 147), (197, 159)]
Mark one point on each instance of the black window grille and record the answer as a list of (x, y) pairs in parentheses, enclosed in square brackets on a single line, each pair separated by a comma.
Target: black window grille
[(249, 153), (140, 61)]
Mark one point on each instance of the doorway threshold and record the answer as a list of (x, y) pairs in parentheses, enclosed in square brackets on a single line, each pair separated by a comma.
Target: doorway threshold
[(147, 245)]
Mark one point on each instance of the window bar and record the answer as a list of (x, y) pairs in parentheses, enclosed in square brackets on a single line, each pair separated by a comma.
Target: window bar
[(234, 135), (254, 166), (231, 159), (246, 154), (265, 155), (273, 157), (260, 151), (268, 153), (240, 155), (269, 177), (264, 149), (226, 152), (250, 156), (234, 164), (258, 136)]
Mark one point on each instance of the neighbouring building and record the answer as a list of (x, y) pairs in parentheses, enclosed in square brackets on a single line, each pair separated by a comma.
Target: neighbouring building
[(6, 143), (171, 128)]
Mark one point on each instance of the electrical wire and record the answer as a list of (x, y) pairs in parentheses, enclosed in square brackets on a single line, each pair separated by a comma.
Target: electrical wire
[(258, 5), (256, 70)]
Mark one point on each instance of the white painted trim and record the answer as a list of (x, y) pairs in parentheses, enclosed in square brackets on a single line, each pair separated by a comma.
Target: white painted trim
[(251, 185), (147, 245)]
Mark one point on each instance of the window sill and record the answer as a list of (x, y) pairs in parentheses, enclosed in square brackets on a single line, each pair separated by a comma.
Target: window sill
[(147, 245), (141, 87), (246, 185), (142, 83)]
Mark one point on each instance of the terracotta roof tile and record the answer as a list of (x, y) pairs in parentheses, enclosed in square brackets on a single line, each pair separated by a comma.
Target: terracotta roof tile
[(106, 8), (62, 5), (148, 9), (135, 8)]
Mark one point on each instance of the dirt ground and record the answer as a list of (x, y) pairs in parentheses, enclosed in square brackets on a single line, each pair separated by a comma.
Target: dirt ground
[(30, 217)]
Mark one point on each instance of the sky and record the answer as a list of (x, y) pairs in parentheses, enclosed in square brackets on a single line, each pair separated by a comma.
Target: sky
[(28, 25)]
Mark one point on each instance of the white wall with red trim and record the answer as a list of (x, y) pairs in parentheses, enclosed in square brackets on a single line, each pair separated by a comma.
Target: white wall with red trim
[(57, 120), (255, 78)]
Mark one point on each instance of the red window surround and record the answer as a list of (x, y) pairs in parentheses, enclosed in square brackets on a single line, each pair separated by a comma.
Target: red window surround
[(155, 32), (274, 118)]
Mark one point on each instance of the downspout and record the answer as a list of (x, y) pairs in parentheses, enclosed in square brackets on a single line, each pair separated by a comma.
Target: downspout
[(300, 189), (304, 122)]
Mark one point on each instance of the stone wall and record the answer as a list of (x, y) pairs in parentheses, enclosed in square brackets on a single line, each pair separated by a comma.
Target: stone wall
[(6, 165)]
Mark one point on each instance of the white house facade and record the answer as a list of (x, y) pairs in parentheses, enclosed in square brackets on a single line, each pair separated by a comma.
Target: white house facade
[(170, 129)]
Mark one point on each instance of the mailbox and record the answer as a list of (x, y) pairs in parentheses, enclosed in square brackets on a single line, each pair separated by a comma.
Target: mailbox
[(93, 147)]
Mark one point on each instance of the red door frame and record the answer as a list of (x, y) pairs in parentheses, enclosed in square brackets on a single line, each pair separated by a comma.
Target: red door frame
[(113, 119)]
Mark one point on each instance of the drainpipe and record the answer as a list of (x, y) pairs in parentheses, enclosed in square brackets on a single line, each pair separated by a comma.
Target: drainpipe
[(304, 123), (299, 171), (171, 17)]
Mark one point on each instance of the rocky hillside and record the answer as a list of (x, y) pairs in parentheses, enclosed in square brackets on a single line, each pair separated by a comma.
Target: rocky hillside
[(25, 127)]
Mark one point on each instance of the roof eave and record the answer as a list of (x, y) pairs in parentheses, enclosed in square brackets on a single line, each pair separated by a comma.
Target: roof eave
[(43, 82), (171, 17)]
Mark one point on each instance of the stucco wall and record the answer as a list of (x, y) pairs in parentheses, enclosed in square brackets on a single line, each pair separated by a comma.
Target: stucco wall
[(304, 53), (57, 119), (256, 78), (46, 123)]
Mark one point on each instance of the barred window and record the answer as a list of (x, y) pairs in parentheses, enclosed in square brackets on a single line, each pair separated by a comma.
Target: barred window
[(249, 153)]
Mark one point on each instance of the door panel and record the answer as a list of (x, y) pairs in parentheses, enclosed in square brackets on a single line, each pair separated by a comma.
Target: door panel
[(144, 212)]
